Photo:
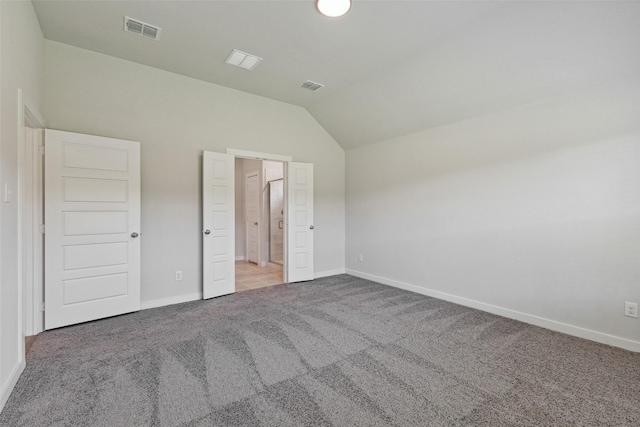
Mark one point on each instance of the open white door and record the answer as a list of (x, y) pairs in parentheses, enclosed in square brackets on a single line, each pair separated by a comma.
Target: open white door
[(92, 220), (218, 225), (300, 222)]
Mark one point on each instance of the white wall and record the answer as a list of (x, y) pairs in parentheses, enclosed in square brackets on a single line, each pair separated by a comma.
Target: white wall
[(175, 118), (533, 212), (21, 68)]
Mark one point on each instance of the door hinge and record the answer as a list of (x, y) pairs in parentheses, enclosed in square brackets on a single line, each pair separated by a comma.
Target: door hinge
[(42, 229), (41, 150), (41, 306)]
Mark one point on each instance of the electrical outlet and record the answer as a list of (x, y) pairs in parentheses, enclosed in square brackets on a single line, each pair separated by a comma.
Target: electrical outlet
[(631, 309), (360, 258), (178, 275)]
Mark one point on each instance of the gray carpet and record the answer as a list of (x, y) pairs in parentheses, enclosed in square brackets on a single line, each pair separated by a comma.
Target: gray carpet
[(338, 351)]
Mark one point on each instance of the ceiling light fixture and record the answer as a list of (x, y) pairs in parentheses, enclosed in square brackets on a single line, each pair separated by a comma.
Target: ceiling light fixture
[(333, 8)]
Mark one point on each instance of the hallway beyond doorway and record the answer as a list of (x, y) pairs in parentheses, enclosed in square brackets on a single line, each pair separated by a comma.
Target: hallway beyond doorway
[(251, 276)]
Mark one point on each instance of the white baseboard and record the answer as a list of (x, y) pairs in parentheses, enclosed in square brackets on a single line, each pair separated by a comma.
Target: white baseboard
[(10, 384), (553, 325), (326, 273), (240, 258), (144, 305)]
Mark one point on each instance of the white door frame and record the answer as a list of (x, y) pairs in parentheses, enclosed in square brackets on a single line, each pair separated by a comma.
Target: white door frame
[(254, 155), (31, 318), (246, 218)]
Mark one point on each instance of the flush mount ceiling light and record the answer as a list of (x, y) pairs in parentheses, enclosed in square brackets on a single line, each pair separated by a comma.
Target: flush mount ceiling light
[(333, 8), (243, 60)]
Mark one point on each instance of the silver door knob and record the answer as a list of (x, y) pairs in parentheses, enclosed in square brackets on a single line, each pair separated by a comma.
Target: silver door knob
[(311, 227), (207, 231), (134, 235)]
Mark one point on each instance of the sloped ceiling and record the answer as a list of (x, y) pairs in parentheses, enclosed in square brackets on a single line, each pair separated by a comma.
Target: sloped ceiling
[(389, 68)]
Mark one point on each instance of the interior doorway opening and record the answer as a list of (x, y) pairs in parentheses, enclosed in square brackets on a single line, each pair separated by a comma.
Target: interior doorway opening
[(219, 220), (260, 225)]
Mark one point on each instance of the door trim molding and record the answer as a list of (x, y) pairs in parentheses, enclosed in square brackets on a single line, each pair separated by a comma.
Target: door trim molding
[(27, 115), (258, 156)]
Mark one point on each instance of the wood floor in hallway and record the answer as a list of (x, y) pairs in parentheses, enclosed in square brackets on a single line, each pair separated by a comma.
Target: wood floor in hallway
[(252, 276)]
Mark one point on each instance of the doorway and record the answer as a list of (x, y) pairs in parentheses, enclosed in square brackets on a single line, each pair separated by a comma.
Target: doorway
[(254, 267), (220, 222)]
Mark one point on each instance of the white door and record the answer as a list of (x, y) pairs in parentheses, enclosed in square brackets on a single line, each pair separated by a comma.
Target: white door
[(300, 222), (218, 224), (252, 203), (92, 220)]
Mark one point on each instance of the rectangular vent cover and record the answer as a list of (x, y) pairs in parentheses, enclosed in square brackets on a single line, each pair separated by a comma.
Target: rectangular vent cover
[(312, 86), (141, 28), (243, 60)]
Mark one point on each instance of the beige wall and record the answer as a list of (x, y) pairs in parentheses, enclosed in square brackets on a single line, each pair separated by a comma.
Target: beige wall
[(533, 212), (21, 67), (175, 118)]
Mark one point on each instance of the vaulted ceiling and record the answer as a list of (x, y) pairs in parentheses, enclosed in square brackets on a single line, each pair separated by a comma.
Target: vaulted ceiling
[(389, 68)]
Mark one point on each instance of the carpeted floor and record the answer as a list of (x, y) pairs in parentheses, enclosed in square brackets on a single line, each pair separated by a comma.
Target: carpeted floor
[(337, 351)]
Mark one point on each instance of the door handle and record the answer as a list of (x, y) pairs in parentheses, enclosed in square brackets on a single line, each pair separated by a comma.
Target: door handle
[(311, 227), (134, 235), (207, 231)]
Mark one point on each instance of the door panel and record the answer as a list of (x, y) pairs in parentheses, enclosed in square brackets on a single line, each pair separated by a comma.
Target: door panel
[(92, 223), (92, 207), (218, 217), (94, 190), (252, 197), (93, 288), (300, 218), (94, 255), (97, 158)]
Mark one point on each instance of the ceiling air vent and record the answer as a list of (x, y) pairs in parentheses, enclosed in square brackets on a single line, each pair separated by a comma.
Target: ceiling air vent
[(243, 60), (312, 86), (141, 28)]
